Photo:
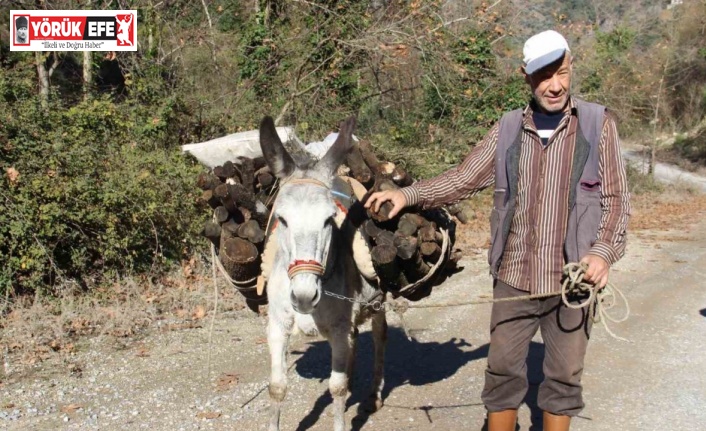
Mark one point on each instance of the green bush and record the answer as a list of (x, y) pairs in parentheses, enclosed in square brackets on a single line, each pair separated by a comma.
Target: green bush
[(692, 148), (102, 190)]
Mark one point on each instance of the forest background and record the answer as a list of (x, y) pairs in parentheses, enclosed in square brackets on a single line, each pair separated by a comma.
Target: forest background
[(94, 187)]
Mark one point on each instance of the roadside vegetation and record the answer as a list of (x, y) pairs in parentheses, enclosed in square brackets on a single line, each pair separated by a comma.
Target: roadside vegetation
[(94, 189)]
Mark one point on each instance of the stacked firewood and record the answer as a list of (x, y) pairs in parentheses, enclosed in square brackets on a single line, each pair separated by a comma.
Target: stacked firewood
[(241, 196), (404, 249)]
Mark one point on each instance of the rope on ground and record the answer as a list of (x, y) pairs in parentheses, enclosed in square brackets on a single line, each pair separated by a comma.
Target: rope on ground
[(599, 300), (214, 258)]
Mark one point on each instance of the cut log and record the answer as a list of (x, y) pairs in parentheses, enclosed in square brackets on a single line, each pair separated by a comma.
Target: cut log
[(207, 181), (223, 194), (229, 229), (385, 237), (207, 197), (218, 171), (384, 258), (212, 231), (221, 214), (415, 268), (247, 215), (228, 170), (359, 169), (430, 234), (410, 223), (259, 163), (386, 169), (457, 211), (247, 172), (401, 177), (406, 245), (383, 213), (265, 180), (366, 151), (240, 259), (370, 229), (430, 251), (250, 230)]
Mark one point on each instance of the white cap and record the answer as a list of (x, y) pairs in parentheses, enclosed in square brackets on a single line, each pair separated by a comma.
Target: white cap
[(543, 49)]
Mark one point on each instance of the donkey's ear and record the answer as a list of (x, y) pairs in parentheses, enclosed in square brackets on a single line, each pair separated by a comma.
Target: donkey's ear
[(340, 148), (278, 159)]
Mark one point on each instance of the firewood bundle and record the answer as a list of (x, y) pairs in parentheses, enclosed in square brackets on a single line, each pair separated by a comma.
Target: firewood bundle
[(406, 248), (241, 195)]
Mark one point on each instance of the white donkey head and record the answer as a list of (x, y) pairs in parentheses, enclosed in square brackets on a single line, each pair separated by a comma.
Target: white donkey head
[(305, 210)]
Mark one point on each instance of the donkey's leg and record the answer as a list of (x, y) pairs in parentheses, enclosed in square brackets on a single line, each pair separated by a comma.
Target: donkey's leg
[(278, 332), (340, 341), (350, 366), (374, 402)]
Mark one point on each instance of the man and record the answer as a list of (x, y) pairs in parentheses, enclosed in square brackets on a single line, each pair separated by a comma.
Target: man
[(560, 196), (21, 25)]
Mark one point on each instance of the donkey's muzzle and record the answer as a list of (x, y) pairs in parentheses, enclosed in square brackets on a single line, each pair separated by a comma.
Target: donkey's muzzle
[(306, 296)]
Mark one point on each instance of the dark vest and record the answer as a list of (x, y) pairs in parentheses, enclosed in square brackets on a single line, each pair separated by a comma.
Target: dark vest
[(585, 187)]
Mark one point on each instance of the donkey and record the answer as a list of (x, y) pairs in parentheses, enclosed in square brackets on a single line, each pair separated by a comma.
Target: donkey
[(313, 260)]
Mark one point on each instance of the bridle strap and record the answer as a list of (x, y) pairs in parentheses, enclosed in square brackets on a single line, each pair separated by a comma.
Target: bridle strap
[(305, 267), (305, 181), (309, 266)]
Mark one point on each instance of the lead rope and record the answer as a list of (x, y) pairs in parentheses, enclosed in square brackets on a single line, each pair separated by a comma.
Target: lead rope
[(599, 300)]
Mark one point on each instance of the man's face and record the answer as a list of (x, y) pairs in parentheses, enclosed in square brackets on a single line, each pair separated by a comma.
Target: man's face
[(550, 85), (22, 33)]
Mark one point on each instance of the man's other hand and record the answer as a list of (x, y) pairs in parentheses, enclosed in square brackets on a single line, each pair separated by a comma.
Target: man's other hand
[(597, 272), (395, 196)]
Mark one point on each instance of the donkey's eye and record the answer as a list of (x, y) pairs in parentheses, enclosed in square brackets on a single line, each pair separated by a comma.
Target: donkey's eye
[(281, 221)]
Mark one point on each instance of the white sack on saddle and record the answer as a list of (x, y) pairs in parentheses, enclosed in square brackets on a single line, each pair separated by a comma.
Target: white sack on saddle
[(319, 148), (243, 144)]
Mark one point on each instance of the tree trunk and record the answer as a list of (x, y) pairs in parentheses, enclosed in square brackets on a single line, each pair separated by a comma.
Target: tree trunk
[(87, 74), (44, 74)]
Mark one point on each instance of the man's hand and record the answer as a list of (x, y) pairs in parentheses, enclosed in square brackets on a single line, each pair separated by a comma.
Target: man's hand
[(597, 272), (395, 196)]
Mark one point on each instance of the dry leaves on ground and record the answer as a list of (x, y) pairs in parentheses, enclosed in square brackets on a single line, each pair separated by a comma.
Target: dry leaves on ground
[(208, 415), (227, 381), (71, 408)]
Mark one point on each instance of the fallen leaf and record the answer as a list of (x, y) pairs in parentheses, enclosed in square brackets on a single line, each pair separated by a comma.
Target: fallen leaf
[(226, 381), (208, 415), (261, 341), (142, 352), (71, 408), (8, 406), (199, 313)]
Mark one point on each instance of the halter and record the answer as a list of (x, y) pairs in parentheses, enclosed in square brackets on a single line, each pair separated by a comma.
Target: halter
[(310, 266)]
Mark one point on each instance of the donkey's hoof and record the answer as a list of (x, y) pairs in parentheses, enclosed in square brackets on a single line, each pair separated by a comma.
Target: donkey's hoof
[(372, 404)]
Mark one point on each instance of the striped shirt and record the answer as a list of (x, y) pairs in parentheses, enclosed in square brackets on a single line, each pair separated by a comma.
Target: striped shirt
[(534, 252)]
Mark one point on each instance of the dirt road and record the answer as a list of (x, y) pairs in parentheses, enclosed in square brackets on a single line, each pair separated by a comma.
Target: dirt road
[(161, 382)]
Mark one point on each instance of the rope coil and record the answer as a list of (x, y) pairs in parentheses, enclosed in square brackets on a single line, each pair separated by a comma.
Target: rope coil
[(599, 300)]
